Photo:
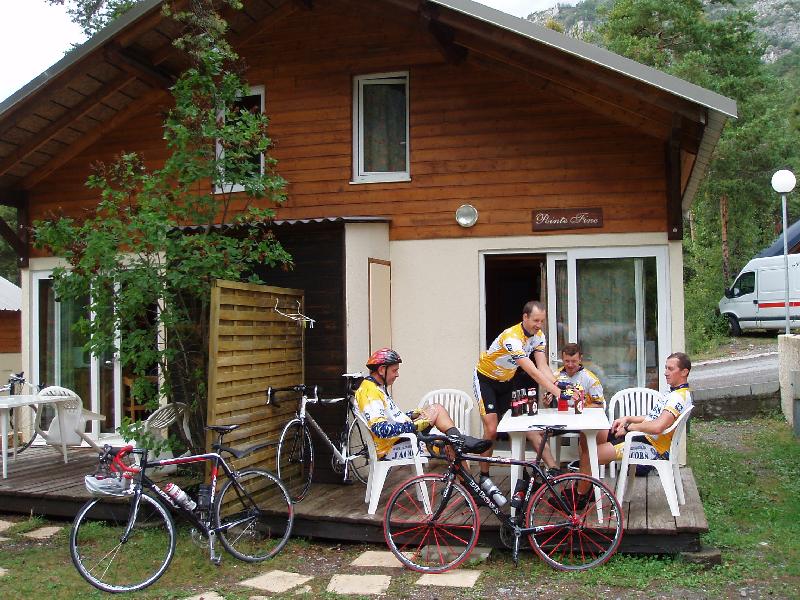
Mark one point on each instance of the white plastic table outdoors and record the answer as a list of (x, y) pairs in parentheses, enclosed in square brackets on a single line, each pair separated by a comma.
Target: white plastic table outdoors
[(590, 421), (9, 402)]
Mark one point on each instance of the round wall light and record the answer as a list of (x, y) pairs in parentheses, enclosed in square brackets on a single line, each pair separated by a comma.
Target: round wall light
[(466, 215)]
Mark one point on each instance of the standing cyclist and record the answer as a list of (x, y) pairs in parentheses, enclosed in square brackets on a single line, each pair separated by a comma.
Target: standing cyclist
[(492, 382)]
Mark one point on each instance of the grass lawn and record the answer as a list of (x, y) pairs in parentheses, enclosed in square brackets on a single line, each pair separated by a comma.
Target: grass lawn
[(748, 473)]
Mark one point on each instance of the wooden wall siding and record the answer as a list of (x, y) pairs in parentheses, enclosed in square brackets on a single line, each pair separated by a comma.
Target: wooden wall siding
[(478, 135), (10, 332), (251, 348), (318, 253)]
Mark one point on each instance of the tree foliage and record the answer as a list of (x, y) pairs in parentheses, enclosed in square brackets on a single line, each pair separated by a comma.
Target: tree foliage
[(721, 54), (94, 15), (148, 277)]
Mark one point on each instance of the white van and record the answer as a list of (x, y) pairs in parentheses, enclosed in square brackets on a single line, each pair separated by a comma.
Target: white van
[(757, 298)]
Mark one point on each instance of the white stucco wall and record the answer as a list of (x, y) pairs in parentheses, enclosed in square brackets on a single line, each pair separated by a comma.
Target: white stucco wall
[(788, 361), (362, 242), (437, 303), (676, 296)]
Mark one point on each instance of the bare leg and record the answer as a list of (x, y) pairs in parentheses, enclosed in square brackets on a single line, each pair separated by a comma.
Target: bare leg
[(438, 416), (489, 433), (535, 438), (605, 454)]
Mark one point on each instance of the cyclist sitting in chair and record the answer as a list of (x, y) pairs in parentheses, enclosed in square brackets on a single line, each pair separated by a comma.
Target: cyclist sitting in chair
[(386, 421)]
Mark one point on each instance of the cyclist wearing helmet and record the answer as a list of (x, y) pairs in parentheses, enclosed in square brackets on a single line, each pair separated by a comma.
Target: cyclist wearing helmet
[(386, 421)]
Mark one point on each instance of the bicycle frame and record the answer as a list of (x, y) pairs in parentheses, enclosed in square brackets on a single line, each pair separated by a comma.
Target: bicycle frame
[(141, 481)]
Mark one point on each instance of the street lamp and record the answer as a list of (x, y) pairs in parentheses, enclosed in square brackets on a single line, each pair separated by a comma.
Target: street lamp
[(783, 182)]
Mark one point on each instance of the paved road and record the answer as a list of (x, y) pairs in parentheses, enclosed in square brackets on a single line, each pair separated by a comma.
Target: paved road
[(762, 368)]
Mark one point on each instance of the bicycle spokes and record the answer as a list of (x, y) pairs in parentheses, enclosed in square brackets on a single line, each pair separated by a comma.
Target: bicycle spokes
[(432, 539)]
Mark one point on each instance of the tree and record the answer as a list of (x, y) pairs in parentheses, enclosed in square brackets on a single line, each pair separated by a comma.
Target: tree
[(94, 15), (147, 277), (722, 54)]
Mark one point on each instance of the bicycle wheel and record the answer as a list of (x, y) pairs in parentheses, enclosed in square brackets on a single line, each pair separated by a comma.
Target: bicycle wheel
[(25, 435), (254, 514), (111, 564), (424, 542), (572, 538), (358, 448), (295, 459)]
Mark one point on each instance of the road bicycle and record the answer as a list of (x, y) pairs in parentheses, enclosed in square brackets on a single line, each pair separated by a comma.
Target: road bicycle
[(431, 522), (25, 435), (124, 539), (296, 448)]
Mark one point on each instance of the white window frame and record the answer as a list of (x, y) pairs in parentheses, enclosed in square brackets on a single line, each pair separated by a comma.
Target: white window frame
[(259, 90), (359, 174)]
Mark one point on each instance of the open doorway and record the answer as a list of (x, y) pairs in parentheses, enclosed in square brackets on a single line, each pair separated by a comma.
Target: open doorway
[(511, 280)]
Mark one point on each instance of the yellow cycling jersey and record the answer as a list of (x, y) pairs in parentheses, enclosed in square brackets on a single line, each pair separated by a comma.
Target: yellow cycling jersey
[(677, 401), (499, 362), (377, 406), (589, 382)]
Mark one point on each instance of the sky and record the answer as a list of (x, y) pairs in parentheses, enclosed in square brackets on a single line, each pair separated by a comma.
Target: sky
[(34, 36)]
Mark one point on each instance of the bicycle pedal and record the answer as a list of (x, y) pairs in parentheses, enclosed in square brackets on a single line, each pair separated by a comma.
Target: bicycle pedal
[(216, 560), (348, 481)]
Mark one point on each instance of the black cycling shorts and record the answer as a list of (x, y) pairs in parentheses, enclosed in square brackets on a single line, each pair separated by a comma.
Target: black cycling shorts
[(493, 396)]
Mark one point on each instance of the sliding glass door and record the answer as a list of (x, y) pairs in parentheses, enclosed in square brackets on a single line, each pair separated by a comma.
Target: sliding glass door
[(58, 356), (616, 306)]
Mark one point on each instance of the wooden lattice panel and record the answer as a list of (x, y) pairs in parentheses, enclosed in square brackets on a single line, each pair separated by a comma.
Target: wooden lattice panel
[(251, 348)]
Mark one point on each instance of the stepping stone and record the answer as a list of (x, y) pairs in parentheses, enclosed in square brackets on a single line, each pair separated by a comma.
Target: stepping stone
[(306, 589), (480, 554), (458, 578), (276, 581), (212, 595), (5, 525), (3, 571), (4, 539), (374, 558), (42, 533), (362, 585)]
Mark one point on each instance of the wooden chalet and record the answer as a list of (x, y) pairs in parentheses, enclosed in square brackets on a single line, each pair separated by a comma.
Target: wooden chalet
[(446, 163)]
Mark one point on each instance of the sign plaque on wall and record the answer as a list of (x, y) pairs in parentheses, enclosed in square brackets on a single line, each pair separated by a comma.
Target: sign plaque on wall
[(548, 219)]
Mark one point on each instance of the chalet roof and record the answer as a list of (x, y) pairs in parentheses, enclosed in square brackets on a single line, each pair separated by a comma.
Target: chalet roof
[(131, 64), (10, 295)]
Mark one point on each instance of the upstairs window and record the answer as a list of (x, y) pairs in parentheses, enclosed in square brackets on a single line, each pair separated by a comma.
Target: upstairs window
[(253, 102), (380, 128)]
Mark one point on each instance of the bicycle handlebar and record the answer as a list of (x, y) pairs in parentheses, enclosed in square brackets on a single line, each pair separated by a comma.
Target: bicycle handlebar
[(299, 389)]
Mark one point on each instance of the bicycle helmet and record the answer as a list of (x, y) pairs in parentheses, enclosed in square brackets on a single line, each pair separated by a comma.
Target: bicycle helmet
[(98, 484), (383, 357)]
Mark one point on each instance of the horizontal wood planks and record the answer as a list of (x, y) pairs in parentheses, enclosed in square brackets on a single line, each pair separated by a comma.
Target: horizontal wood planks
[(40, 480), (10, 331), (252, 347), (506, 144)]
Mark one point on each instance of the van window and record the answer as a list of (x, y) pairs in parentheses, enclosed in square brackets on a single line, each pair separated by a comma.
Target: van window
[(744, 284)]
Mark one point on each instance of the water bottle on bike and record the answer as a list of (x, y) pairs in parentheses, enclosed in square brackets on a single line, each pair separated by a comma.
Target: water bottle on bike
[(179, 496), (488, 486)]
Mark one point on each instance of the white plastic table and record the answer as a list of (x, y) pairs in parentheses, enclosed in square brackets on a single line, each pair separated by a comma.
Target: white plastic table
[(16, 401), (589, 422)]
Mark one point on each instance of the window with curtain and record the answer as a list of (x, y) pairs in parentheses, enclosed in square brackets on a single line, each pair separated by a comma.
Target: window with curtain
[(380, 120)]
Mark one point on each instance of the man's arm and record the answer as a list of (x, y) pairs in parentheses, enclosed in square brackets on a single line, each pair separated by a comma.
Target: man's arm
[(542, 377), (655, 427)]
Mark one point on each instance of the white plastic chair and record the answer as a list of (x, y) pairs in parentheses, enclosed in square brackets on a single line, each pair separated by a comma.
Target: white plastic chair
[(630, 402), (159, 421), (378, 469), (458, 404), (75, 418), (668, 468)]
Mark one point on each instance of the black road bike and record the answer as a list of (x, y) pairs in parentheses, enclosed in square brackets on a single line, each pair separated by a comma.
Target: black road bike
[(124, 539), (431, 522)]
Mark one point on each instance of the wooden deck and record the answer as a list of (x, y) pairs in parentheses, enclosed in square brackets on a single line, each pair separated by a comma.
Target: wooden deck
[(41, 483)]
